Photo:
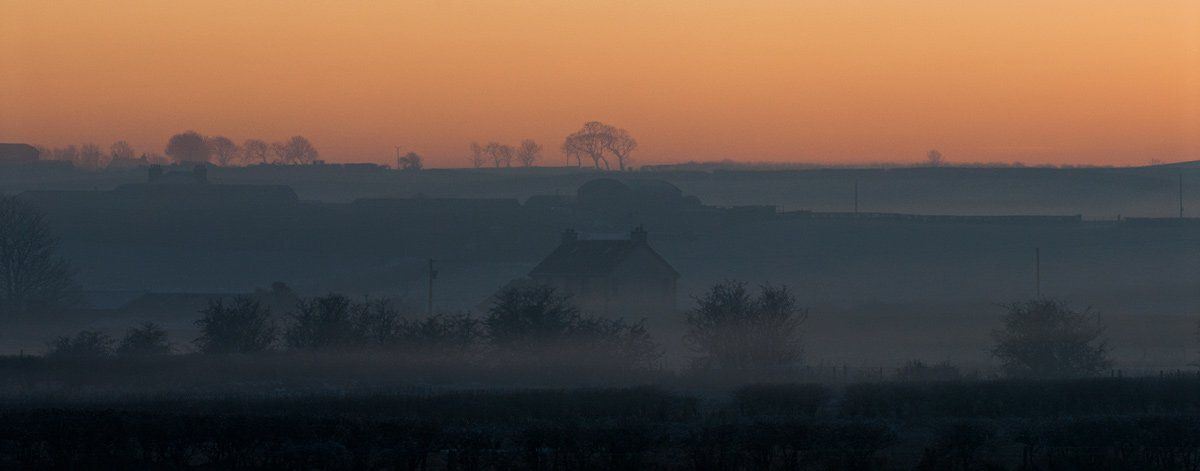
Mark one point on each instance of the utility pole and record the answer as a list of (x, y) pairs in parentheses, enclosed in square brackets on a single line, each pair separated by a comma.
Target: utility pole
[(1181, 195), (432, 275), (397, 157), (855, 196), (1037, 271)]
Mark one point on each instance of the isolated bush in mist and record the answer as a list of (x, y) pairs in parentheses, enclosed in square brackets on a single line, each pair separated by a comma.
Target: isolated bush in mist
[(444, 332), (85, 344), (377, 323), (1045, 338), (33, 278), (241, 326), (730, 329), (146, 339), (533, 319), (325, 322)]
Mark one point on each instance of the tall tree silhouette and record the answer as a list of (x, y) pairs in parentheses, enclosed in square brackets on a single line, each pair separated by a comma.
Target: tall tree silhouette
[(255, 151), (188, 146), (224, 149), (528, 152), (33, 277)]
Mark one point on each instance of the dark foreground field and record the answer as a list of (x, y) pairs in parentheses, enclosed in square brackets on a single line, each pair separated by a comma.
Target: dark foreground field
[(1110, 423)]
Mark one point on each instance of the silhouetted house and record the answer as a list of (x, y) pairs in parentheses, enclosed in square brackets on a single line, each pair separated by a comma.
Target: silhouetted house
[(17, 154), (622, 276)]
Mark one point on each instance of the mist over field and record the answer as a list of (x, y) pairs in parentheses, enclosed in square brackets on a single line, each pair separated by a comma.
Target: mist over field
[(586, 235)]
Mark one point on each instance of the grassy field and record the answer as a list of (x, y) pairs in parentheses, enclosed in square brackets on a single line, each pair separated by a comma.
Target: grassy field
[(1117, 423)]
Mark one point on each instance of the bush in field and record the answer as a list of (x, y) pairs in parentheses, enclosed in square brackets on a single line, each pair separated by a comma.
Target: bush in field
[(458, 332), (917, 370), (377, 322), (326, 322), (147, 339), (242, 326), (533, 319), (1044, 338), (86, 344), (731, 329)]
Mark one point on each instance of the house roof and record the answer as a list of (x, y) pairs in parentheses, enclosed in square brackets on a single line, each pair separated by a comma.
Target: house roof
[(12, 152), (592, 257)]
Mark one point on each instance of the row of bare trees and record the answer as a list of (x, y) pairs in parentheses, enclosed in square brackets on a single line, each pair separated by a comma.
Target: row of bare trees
[(93, 156), (191, 146), (503, 155), (602, 143), (598, 141)]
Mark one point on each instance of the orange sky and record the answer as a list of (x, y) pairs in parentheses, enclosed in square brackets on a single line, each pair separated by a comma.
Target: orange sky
[(1061, 81)]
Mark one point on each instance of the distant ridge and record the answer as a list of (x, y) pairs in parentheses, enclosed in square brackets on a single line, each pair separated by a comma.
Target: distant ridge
[(1184, 164)]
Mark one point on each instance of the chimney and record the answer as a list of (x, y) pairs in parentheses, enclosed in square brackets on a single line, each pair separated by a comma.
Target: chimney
[(569, 236), (201, 173), (638, 235), (155, 173)]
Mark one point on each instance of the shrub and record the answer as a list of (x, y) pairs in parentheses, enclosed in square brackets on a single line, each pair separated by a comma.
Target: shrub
[(442, 332), (1046, 339), (537, 320), (378, 323), (147, 339), (85, 344), (324, 323), (243, 326), (730, 329)]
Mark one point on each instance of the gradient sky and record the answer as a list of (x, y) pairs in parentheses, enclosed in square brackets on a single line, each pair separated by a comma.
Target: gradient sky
[(1058, 81)]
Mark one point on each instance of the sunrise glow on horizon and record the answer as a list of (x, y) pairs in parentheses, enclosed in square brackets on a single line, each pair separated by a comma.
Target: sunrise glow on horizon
[(1058, 81)]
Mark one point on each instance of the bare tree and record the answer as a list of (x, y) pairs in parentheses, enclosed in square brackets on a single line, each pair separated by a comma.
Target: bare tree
[(280, 151), (934, 158), (188, 146), (1044, 338), (300, 151), (223, 149), (121, 150), (146, 339), (731, 329), (90, 156), (621, 144), (242, 326), (32, 276), (478, 155), (528, 152), (592, 141), (411, 161), (255, 151), (501, 154)]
